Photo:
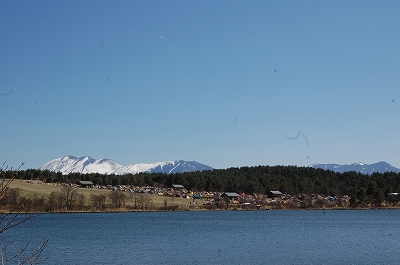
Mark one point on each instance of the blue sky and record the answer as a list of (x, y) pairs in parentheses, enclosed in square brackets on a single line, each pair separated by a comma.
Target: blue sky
[(224, 83)]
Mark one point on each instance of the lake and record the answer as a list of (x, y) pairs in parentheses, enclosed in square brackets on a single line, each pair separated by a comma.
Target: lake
[(217, 237)]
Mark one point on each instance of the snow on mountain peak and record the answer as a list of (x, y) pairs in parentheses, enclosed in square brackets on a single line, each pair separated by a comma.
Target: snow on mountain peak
[(86, 164), (359, 167)]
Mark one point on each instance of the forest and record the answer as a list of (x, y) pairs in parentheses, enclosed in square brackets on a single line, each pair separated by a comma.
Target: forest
[(363, 189)]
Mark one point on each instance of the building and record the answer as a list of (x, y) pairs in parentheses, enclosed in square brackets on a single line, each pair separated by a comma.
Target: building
[(177, 186), (85, 184), (275, 193), (230, 195)]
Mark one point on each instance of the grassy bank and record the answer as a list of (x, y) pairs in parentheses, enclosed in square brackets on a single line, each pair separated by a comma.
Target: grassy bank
[(40, 189)]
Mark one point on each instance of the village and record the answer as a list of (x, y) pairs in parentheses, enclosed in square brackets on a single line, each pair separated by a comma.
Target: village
[(35, 195), (231, 200)]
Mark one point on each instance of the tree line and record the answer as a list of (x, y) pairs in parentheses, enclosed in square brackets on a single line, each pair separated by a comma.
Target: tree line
[(361, 188)]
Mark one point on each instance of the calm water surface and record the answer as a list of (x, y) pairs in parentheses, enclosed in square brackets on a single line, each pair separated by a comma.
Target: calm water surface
[(218, 237)]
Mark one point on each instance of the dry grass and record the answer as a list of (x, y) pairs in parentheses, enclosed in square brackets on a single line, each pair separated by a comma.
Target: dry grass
[(44, 189)]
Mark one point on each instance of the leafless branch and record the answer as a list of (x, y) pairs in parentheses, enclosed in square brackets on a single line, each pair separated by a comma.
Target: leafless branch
[(13, 217)]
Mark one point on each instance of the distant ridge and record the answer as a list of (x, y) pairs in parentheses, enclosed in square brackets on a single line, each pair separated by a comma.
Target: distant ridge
[(367, 169), (87, 164)]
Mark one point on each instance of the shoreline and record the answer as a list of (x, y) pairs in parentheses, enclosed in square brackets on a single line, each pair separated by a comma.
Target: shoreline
[(207, 210)]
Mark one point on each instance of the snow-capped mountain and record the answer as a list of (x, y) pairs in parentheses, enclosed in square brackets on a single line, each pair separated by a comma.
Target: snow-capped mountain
[(368, 169), (86, 164)]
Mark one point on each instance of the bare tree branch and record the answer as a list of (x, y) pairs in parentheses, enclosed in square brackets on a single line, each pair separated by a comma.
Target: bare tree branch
[(15, 216)]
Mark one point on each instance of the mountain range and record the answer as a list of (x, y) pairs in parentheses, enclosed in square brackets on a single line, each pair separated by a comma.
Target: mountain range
[(367, 169), (87, 164)]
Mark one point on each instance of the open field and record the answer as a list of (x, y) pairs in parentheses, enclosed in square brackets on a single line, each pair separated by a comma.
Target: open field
[(44, 189)]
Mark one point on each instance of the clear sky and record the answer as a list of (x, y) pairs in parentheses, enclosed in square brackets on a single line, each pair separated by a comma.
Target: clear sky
[(224, 83)]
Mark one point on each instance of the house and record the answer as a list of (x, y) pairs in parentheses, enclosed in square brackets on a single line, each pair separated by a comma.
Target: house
[(177, 186), (178, 190), (85, 184), (275, 193), (230, 195)]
